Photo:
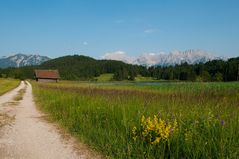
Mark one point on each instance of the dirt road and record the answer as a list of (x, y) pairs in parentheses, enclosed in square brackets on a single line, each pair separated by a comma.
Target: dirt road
[(24, 133)]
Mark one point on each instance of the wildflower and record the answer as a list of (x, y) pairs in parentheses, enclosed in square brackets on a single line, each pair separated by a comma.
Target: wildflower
[(150, 125), (175, 124), (134, 138), (158, 114), (145, 133), (154, 130), (222, 122), (166, 132), (156, 141), (142, 120), (134, 132)]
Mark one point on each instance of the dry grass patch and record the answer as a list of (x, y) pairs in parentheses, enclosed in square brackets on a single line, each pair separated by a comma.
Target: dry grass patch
[(5, 119)]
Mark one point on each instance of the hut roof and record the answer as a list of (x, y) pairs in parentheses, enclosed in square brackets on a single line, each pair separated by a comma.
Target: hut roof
[(47, 74)]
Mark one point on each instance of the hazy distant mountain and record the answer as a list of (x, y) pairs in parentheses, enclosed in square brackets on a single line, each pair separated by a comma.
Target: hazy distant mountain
[(163, 59), (20, 60), (175, 57)]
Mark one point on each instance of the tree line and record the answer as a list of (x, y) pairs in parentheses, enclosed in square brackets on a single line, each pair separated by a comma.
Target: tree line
[(86, 68), (215, 70)]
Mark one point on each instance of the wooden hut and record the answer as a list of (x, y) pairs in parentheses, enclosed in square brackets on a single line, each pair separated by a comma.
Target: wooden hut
[(46, 75)]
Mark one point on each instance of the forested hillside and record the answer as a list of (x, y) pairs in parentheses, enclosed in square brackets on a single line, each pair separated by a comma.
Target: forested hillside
[(75, 68), (83, 67), (86, 68)]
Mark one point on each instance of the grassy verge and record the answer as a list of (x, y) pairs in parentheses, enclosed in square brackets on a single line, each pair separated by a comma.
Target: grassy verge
[(109, 77), (147, 79), (192, 120), (7, 84), (5, 116), (105, 77)]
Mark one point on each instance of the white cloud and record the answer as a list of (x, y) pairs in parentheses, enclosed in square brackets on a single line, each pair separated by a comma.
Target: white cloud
[(151, 30), (149, 58), (85, 43), (146, 58), (118, 55)]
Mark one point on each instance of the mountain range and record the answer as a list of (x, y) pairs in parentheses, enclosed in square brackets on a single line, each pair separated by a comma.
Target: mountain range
[(19, 60), (147, 59), (164, 59), (175, 57), (79, 67)]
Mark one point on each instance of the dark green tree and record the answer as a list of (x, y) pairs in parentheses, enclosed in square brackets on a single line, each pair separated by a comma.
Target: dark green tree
[(205, 76), (218, 77)]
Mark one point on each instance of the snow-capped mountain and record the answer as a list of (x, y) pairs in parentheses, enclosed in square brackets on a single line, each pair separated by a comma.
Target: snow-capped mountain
[(20, 60), (162, 58), (175, 57)]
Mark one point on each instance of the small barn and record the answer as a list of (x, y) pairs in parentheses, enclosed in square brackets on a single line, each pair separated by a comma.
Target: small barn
[(46, 75)]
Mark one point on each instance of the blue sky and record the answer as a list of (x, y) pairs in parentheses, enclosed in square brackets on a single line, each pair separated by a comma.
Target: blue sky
[(96, 27)]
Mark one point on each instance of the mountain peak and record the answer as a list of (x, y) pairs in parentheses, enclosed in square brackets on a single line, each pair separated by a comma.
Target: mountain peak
[(19, 60)]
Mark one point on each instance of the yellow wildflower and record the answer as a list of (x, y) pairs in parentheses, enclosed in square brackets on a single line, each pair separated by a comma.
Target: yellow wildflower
[(134, 130), (156, 141), (143, 121), (154, 130)]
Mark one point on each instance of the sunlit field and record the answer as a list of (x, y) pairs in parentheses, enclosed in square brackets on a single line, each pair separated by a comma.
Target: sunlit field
[(147, 120), (7, 84)]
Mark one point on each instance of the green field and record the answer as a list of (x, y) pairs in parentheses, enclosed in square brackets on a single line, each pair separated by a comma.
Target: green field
[(109, 77), (7, 84), (105, 77), (141, 78), (147, 120)]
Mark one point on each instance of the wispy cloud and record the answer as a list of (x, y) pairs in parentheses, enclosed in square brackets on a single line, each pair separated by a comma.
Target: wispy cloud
[(151, 30), (146, 58), (85, 43)]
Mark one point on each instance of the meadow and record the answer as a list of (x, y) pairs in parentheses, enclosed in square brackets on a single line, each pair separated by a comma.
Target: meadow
[(7, 84), (147, 120)]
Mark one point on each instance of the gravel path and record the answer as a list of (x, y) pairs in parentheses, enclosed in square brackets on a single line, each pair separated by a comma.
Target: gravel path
[(27, 135)]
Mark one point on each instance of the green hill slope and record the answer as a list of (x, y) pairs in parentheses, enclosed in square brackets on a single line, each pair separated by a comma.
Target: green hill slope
[(83, 67), (76, 67)]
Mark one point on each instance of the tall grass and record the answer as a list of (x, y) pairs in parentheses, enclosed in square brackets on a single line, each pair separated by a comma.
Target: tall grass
[(7, 84), (104, 116)]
